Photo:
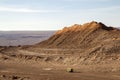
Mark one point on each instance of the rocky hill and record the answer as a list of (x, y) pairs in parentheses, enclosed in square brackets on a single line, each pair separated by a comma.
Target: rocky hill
[(89, 44), (93, 37)]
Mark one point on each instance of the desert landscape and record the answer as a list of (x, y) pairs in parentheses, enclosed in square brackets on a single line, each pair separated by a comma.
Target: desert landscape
[(92, 50)]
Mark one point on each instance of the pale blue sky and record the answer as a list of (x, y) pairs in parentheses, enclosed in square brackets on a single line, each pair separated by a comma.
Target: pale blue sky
[(56, 14)]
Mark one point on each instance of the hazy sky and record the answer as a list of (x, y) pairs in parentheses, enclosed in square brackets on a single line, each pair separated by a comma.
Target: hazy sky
[(56, 14)]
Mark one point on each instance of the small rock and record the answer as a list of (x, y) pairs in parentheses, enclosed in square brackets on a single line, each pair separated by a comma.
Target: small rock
[(69, 70), (15, 77), (2, 76)]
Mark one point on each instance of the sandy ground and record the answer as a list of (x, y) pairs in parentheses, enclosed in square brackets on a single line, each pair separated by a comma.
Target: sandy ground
[(13, 71), (93, 55)]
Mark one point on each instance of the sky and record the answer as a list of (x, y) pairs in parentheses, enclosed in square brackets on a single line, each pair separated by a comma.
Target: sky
[(56, 14)]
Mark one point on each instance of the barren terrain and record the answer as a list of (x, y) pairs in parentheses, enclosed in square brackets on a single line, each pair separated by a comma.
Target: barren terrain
[(35, 71), (91, 49)]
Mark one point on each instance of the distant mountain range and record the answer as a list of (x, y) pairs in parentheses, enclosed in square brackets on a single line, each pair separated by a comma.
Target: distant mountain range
[(14, 38)]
